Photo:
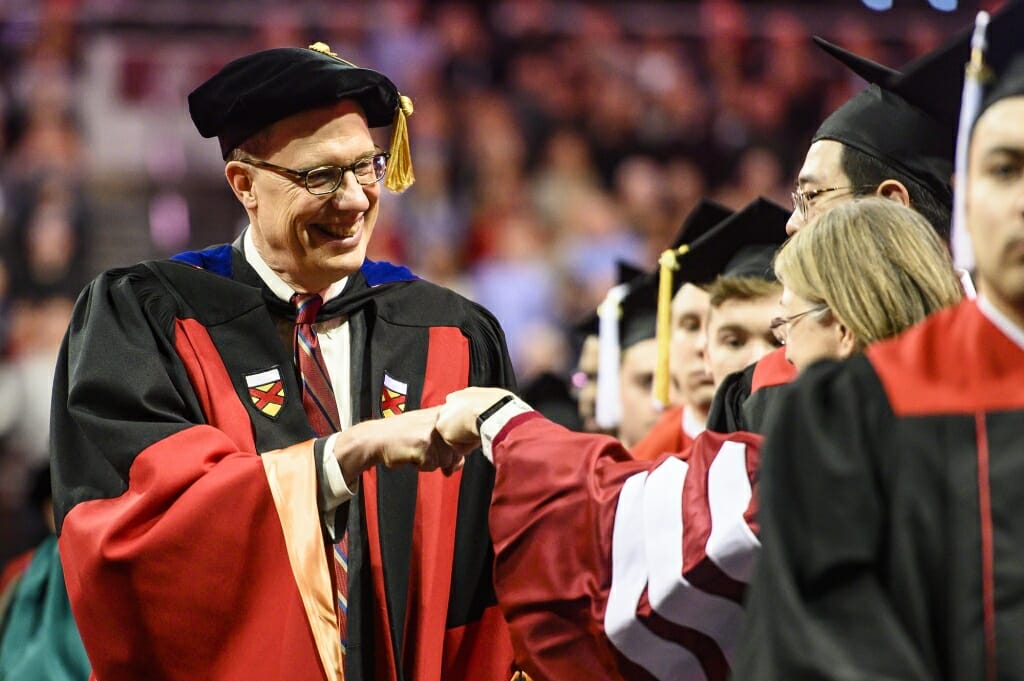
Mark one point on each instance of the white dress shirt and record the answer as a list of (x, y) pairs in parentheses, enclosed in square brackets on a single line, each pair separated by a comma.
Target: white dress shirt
[(335, 346)]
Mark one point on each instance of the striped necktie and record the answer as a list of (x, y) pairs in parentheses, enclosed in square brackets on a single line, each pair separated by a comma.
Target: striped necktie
[(322, 411)]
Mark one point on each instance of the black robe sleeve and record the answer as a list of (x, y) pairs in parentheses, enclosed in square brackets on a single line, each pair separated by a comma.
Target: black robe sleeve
[(818, 607), (726, 413)]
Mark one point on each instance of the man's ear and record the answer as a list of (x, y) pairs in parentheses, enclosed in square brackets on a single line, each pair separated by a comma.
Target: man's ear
[(848, 344), (894, 190), (240, 180)]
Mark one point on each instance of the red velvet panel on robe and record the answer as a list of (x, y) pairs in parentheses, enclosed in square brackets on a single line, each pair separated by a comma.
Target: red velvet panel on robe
[(608, 567), (216, 595)]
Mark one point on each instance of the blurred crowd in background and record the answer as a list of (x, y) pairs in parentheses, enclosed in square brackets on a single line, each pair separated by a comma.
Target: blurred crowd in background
[(550, 139)]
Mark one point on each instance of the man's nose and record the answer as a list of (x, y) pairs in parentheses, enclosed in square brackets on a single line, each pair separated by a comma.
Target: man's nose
[(350, 195)]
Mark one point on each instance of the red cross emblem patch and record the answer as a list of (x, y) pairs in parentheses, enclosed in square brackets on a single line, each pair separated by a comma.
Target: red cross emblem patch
[(266, 391), (392, 397)]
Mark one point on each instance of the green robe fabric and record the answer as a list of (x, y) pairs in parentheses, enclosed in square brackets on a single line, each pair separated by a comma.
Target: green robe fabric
[(39, 639)]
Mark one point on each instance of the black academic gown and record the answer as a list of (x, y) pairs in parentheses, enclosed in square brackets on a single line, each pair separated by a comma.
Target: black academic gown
[(743, 401), (181, 495), (891, 518)]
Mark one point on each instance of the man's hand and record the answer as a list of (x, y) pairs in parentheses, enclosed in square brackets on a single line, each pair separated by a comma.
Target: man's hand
[(408, 438), (457, 420)]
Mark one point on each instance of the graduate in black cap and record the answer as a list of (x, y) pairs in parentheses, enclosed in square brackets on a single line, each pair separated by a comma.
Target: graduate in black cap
[(627, 342), (894, 139), (221, 495), (891, 488), (729, 268), (625, 379)]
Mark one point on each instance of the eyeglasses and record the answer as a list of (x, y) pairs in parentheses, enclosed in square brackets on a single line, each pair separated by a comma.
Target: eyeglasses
[(802, 200), (326, 179), (780, 325)]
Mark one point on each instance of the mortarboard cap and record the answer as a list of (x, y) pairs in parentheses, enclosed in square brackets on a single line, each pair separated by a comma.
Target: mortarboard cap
[(587, 326), (893, 121), (628, 315), (700, 221), (639, 310), (868, 69), (752, 262), (943, 69), (1009, 82), (741, 245), (254, 91), (733, 241)]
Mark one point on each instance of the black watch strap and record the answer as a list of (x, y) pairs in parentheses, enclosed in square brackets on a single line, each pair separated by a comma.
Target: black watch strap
[(492, 410)]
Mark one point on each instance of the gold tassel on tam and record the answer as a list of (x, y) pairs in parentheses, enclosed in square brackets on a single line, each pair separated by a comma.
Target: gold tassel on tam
[(668, 263), (399, 175)]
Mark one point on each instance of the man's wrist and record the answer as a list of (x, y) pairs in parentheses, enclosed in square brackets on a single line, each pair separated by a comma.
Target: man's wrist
[(352, 455), (495, 418), (492, 410)]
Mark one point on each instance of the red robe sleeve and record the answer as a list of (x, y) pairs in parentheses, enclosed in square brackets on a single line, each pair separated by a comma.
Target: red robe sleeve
[(186, 554), (609, 567)]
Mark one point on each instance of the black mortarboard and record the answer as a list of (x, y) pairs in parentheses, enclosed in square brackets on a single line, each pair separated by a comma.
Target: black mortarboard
[(628, 315), (700, 220), (868, 69), (254, 91), (753, 262), (625, 272), (908, 118), (741, 245), (588, 325), (1009, 83), (892, 121), (639, 310), (925, 79), (761, 223)]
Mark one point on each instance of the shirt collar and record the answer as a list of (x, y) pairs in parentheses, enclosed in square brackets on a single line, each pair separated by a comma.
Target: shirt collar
[(1001, 321), (692, 425), (274, 282)]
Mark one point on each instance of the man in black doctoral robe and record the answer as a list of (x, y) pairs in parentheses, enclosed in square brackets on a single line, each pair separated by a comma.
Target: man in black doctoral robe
[(196, 506)]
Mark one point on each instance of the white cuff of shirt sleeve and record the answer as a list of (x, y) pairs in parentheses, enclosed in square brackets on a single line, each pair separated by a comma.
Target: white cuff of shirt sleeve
[(497, 421), (337, 492)]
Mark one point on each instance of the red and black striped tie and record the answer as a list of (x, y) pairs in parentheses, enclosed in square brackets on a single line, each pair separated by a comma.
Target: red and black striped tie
[(322, 411)]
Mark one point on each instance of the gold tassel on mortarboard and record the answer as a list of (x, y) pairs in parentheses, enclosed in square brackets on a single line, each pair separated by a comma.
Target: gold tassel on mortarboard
[(399, 176), (668, 263)]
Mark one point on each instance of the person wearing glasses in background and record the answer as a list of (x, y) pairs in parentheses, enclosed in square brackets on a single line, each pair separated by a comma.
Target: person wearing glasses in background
[(224, 492), (654, 580), (894, 139)]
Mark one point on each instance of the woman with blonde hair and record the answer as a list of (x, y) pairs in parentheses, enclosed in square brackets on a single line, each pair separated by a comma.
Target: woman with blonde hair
[(868, 269)]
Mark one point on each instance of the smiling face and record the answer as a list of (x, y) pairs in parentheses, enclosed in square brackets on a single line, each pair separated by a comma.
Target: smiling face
[(311, 241), (995, 204)]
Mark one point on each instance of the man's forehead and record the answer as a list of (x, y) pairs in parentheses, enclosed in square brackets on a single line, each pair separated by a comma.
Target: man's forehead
[(341, 129), (744, 310), (822, 165), (690, 300), (1000, 125)]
